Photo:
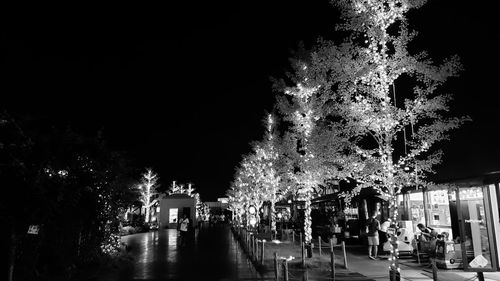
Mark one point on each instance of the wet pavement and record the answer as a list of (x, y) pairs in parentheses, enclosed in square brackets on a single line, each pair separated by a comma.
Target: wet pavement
[(211, 254)]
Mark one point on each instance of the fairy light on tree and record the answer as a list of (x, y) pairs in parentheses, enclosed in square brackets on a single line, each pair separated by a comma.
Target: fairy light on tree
[(360, 77), (148, 187), (176, 188), (268, 176), (307, 179), (236, 202), (190, 190)]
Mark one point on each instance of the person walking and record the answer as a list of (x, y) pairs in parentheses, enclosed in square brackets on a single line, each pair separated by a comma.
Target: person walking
[(183, 228), (372, 228)]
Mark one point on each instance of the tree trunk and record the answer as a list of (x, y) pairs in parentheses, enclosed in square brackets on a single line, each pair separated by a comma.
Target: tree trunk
[(273, 217), (393, 239), (146, 218), (307, 219)]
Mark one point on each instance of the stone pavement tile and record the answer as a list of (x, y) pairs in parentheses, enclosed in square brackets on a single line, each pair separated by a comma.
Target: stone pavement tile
[(462, 275), (410, 270)]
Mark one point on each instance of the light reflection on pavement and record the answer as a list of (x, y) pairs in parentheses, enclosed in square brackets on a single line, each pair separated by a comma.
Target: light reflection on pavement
[(211, 254)]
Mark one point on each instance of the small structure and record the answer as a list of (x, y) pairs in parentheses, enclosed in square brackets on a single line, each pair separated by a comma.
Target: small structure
[(173, 207)]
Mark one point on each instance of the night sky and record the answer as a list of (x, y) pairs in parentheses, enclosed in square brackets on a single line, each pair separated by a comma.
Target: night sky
[(184, 88)]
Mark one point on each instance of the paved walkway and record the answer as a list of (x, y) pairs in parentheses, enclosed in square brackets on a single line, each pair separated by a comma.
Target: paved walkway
[(410, 270), (212, 254)]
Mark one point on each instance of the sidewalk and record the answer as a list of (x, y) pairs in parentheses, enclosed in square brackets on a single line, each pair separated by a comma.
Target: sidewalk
[(358, 261)]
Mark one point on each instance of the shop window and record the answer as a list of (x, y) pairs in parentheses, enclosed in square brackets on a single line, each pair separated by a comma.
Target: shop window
[(438, 215)]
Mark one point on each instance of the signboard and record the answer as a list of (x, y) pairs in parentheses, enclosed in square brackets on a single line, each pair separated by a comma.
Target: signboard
[(478, 261), (33, 229)]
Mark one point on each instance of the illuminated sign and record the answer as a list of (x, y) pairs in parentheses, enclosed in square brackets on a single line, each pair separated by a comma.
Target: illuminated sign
[(471, 193)]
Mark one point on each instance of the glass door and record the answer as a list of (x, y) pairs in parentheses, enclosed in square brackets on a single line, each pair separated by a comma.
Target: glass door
[(475, 231)]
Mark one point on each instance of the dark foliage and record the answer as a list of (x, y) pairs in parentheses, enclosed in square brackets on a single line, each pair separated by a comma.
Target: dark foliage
[(68, 184)]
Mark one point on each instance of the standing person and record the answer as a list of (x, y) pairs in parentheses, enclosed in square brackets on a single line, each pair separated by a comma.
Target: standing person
[(184, 223), (384, 237), (372, 227)]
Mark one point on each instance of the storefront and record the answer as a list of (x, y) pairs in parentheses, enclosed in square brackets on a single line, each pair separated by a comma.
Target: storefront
[(477, 202), (465, 213)]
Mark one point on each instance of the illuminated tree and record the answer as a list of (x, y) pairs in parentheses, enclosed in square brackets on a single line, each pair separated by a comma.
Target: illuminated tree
[(249, 185), (268, 179), (180, 189), (236, 202), (148, 185), (308, 177), (190, 190), (359, 78)]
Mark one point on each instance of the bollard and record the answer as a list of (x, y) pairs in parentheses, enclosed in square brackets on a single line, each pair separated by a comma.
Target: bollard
[(285, 270), (434, 270), (345, 256), (303, 257), (256, 248), (319, 245), (293, 236), (300, 238), (332, 260), (252, 243), (262, 252), (253, 247), (248, 243), (418, 245), (276, 271)]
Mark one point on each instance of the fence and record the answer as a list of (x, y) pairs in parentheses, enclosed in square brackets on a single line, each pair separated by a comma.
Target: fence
[(255, 249)]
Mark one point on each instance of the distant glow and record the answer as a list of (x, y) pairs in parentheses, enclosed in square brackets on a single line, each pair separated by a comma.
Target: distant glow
[(223, 200)]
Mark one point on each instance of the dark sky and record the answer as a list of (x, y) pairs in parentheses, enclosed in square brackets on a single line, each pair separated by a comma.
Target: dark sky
[(183, 88)]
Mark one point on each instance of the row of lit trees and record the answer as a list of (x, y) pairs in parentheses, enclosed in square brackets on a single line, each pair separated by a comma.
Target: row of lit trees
[(149, 194), (344, 119)]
